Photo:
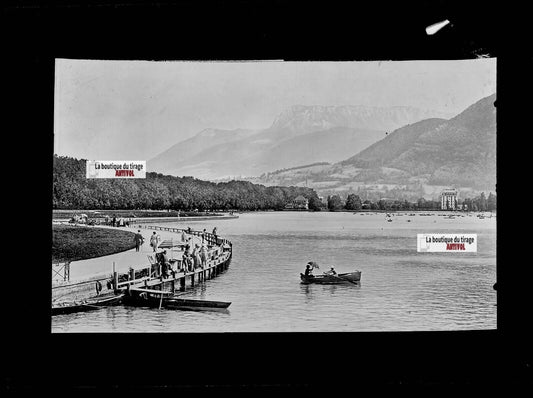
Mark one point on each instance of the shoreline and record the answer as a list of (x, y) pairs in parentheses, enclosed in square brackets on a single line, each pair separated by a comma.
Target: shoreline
[(135, 220)]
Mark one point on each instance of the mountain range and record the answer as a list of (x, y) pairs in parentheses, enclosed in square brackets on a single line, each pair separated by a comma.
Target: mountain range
[(418, 159), (299, 135)]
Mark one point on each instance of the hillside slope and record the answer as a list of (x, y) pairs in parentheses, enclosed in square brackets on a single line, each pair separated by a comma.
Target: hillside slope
[(418, 158), (299, 135)]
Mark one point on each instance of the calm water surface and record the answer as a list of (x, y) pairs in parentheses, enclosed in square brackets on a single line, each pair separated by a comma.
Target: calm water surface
[(400, 289)]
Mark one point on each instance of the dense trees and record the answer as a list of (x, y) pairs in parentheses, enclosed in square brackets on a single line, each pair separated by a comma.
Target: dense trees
[(315, 203), (481, 203), (335, 202), (353, 202), (72, 190)]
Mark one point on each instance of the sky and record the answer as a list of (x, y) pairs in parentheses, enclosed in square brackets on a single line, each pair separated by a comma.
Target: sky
[(134, 110)]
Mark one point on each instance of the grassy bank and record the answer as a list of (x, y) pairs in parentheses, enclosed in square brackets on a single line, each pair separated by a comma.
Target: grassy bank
[(71, 243)]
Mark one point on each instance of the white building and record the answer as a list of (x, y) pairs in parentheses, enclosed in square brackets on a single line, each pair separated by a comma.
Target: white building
[(448, 199)]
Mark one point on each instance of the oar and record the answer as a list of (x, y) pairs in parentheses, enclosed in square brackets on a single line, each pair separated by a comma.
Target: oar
[(160, 300)]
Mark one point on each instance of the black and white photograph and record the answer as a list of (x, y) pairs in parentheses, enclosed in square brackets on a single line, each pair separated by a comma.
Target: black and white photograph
[(266, 195), (274, 196)]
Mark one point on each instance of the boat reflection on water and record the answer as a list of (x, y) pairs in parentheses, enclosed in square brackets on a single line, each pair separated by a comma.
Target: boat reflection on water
[(313, 291)]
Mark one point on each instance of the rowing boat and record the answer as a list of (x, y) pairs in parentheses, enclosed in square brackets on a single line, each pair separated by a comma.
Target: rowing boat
[(157, 299), (90, 304), (350, 277)]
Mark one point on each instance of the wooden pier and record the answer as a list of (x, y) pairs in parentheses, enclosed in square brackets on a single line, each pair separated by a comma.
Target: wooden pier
[(150, 277), (178, 281)]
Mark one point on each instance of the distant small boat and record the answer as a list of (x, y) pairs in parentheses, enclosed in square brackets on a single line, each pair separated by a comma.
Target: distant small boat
[(351, 277)]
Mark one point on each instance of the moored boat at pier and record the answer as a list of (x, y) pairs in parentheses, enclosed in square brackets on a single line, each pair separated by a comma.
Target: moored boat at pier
[(161, 299), (90, 304)]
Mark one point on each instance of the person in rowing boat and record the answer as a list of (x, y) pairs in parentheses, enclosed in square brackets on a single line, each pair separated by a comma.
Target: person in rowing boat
[(309, 268), (331, 271)]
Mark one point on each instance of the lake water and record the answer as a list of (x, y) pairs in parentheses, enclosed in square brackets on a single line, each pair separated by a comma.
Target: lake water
[(400, 289)]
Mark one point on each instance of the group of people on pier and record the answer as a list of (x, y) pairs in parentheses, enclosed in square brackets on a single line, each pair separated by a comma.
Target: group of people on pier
[(195, 254)]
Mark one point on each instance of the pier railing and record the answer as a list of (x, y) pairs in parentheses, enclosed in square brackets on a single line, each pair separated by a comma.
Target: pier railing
[(61, 271), (209, 237)]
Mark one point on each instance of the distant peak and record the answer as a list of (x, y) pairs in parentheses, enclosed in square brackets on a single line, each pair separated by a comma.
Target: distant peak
[(305, 118)]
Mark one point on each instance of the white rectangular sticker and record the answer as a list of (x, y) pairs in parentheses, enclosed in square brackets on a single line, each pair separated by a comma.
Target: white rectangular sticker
[(116, 169), (463, 243)]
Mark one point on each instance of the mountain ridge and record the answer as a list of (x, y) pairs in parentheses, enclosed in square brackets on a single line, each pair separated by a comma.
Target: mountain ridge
[(416, 159), (215, 153)]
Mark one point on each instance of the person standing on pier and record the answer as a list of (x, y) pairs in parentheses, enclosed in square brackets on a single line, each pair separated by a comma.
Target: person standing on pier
[(187, 262), (166, 267), (154, 241), (203, 255), (184, 264), (215, 234), (139, 240), (196, 256)]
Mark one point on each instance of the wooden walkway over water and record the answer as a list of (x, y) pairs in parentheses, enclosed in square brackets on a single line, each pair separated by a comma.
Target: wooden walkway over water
[(150, 277)]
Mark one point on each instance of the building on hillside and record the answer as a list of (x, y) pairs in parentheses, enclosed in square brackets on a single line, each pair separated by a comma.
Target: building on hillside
[(299, 203), (448, 199)]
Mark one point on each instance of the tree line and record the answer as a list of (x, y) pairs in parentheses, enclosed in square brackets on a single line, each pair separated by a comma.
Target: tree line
[(72, 190), (354, 202)]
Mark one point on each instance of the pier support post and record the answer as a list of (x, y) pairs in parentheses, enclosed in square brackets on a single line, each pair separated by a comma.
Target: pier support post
[(66, 271), (182, 284)]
